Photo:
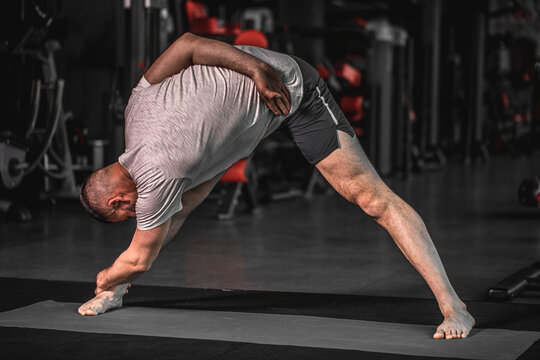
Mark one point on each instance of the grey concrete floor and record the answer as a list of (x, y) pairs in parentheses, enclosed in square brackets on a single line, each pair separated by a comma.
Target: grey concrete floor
[(324, 245)]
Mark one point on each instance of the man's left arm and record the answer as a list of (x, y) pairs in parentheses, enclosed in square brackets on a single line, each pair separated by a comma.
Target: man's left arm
[(135, 260)]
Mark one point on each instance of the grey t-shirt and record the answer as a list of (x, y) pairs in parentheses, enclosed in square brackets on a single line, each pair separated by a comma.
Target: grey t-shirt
[(194, 125)]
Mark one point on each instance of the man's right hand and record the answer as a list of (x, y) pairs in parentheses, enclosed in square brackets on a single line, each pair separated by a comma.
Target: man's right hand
[(272, 90)]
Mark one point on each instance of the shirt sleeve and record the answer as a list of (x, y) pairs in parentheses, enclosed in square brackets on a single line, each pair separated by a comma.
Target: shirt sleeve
[(158, 201), (142, 84)]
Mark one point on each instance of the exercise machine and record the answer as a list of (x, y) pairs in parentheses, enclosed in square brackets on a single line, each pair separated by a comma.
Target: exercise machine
[(526, 279), (45, 144)]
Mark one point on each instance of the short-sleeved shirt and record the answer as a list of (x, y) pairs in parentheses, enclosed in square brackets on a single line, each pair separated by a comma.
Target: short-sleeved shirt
[(193, 126)]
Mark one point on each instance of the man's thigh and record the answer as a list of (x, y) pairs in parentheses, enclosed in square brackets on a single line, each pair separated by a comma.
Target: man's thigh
[(350, 172), (313, 127), (190, 200)]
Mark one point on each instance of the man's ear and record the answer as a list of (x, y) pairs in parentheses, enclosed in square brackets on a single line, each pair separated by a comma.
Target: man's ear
[(115, 201)]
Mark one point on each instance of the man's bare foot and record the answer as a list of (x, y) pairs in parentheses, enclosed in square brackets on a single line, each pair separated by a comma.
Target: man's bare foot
[(456, 325), (104, 301)]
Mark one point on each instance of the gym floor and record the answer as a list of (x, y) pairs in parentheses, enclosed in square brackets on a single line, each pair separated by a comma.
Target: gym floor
[(321, 257)]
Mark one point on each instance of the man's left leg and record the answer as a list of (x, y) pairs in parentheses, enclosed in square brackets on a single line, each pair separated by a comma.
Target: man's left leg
[(349, 171), (190, 200)]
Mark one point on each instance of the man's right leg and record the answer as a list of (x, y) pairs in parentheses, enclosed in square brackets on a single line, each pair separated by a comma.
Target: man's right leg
[(112, 298), (351, 174), (325, 137)]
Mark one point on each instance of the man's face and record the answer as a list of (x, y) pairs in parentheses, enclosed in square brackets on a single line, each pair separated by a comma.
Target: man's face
[(122, 214), (123, 207)]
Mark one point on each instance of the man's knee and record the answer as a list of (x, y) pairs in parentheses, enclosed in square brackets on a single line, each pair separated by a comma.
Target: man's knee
[(372, 205), (374, 202)]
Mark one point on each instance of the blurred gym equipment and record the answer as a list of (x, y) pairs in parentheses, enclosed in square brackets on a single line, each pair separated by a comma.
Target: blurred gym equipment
[(527, 279), (529, 192), (44, 146)]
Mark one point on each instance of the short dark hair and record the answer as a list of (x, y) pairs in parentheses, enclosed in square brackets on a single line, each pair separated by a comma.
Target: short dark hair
[(93, 192)]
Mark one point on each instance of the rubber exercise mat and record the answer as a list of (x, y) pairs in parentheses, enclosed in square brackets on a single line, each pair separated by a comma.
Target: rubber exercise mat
[(271, 329)]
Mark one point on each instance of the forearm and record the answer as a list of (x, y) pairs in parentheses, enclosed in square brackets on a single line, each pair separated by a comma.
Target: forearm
[(136, 260), (128, 267), (190, 50), (217, 53), (411, 236), (122, 271)]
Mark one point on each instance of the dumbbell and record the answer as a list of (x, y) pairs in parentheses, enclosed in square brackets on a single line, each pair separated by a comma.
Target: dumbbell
[(529, 192), (12, 164)]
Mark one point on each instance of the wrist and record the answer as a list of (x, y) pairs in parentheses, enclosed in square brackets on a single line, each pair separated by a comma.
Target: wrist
[(259, 68)]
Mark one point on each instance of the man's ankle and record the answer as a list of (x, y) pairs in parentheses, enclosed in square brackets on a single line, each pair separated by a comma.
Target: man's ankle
[(452, 307)]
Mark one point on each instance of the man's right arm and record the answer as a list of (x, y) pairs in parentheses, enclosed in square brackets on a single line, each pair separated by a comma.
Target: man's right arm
[(190, 50)]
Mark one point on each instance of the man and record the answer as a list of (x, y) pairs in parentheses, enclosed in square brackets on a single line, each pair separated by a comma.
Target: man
[(187, 123)]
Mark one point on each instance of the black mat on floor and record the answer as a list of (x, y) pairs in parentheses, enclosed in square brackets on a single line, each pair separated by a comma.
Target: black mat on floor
[(44, 344)]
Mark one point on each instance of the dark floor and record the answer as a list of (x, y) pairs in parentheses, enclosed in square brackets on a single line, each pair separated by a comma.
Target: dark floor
[(325, 245), (321, 246)]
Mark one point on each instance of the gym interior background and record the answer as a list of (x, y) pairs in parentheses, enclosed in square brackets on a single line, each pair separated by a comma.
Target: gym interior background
[(444, 97)]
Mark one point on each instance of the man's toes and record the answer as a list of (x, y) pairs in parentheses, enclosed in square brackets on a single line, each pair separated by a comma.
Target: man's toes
[(85, 310), (439, 334), (93, 309), (90, 312)]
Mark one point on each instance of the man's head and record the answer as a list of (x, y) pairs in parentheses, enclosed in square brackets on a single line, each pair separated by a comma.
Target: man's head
[(109, 194)]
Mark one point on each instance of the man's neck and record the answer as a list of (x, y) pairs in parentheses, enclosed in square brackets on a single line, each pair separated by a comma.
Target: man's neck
[(124, 177)]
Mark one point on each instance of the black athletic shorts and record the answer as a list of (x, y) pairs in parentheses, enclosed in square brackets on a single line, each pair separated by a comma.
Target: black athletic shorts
[(313, 127)]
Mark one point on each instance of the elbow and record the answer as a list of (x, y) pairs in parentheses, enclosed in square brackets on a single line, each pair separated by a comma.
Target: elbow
[(187, 44), (186, 38)]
